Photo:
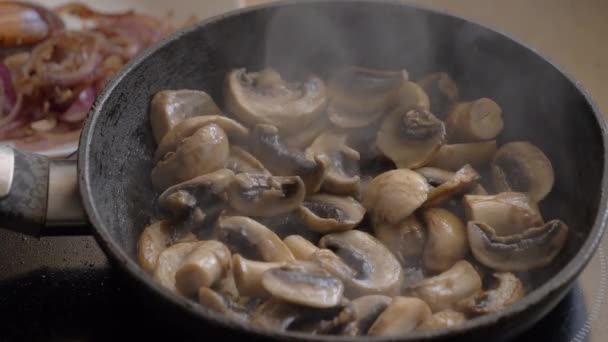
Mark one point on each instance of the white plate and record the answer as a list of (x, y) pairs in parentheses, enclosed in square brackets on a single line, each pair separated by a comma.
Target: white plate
[(181, 9)]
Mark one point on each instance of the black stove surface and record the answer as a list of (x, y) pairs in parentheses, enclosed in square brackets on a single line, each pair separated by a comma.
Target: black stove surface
[(62, 289)]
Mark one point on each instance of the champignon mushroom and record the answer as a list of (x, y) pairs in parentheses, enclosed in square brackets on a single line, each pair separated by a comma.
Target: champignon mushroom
[(404, 239), (442, 319), (455, 156), (169, 261), (410, 137), (342, 173), (401, 316), (363, 263), (413, 96), (507, 212), (442, 91), (234, 131), (394, 195), (202, 267), (241, 161), (446, 241), (170, 107), (153, 240), (520, 166), (508, 291), (251, 239), (536, 247), (265, 98), (349, 119), (264, 195), (434, 175), (446, 290), (462, 180), (204, 151), (278, 315), (223, 304), (304, 284), (301, 248), (303, 138), (248, 275), (358, 315), (282, 161), (474, 121), (326, 213)]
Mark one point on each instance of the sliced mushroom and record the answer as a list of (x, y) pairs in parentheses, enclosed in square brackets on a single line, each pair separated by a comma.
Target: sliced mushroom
[(358, 315), (441, 320), (447, 289), (508, 291), (410, 137), (455, 156), (169, 261), (345, 118), (394, 195), (301, 248), (342, 173), (355, 92), (287, 224), (264, 195), (265, 98), (442, 91), (170, 107), (234, 131), (204, 151), (304, 284), (401, 316), (520, 166), (223, 304), (507, 212), (248, 275), (153, 240), (534, 248), (278, 315), (241, 161), (434, 175), (282, 161), (446, 241), (199, 200), (251, 239), (363, 263), (474, 121), (405, 239), (303, 138), (202, 267), (326, 213), (462, 180), (413, 96)]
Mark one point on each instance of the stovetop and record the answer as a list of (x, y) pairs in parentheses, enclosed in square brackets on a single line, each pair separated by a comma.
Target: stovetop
[(62, 289)]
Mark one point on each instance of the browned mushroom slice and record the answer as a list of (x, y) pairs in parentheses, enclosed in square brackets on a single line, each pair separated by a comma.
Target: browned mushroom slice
[(241, 161), (356, 90), (251, 239), (358, 315), (263, 195), (301, 248), (441, 320), (342, 174), (344, 118), (282, 161), (455, 156), (442, 91), (204, 151), (522, 167), (446, 290), (410, 137), (248, 275), (411, 96), (446, 241), (170, 107), (508, 291), (325, 213), (234, 130), (434, 175), (401, 316), (304, 284), (363, 263), (223, 304), (394, 195), (153, 240), (474, 121), (534, 248), (405, 239), (507, 212), (303, 138), (265, 98), (169, 261), (202, 267), (462, 180), (278, 315)]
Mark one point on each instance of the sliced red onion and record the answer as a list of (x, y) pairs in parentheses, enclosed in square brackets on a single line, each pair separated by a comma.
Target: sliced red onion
[(10, 96), (13, 114), (80, 108)]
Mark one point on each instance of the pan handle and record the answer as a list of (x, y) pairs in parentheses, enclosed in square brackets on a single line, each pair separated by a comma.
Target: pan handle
[(39, 196)]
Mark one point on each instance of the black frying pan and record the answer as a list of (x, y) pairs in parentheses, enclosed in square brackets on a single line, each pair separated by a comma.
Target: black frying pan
[(540, 102)]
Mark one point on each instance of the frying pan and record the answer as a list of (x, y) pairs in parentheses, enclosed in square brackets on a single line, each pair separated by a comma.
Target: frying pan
[(541, 104)]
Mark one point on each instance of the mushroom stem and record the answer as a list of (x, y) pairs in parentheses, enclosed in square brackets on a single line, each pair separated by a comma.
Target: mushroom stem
[(203, 267), (401, 316), (301, 248), (455, 156), (474, 121), (248, 275)]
